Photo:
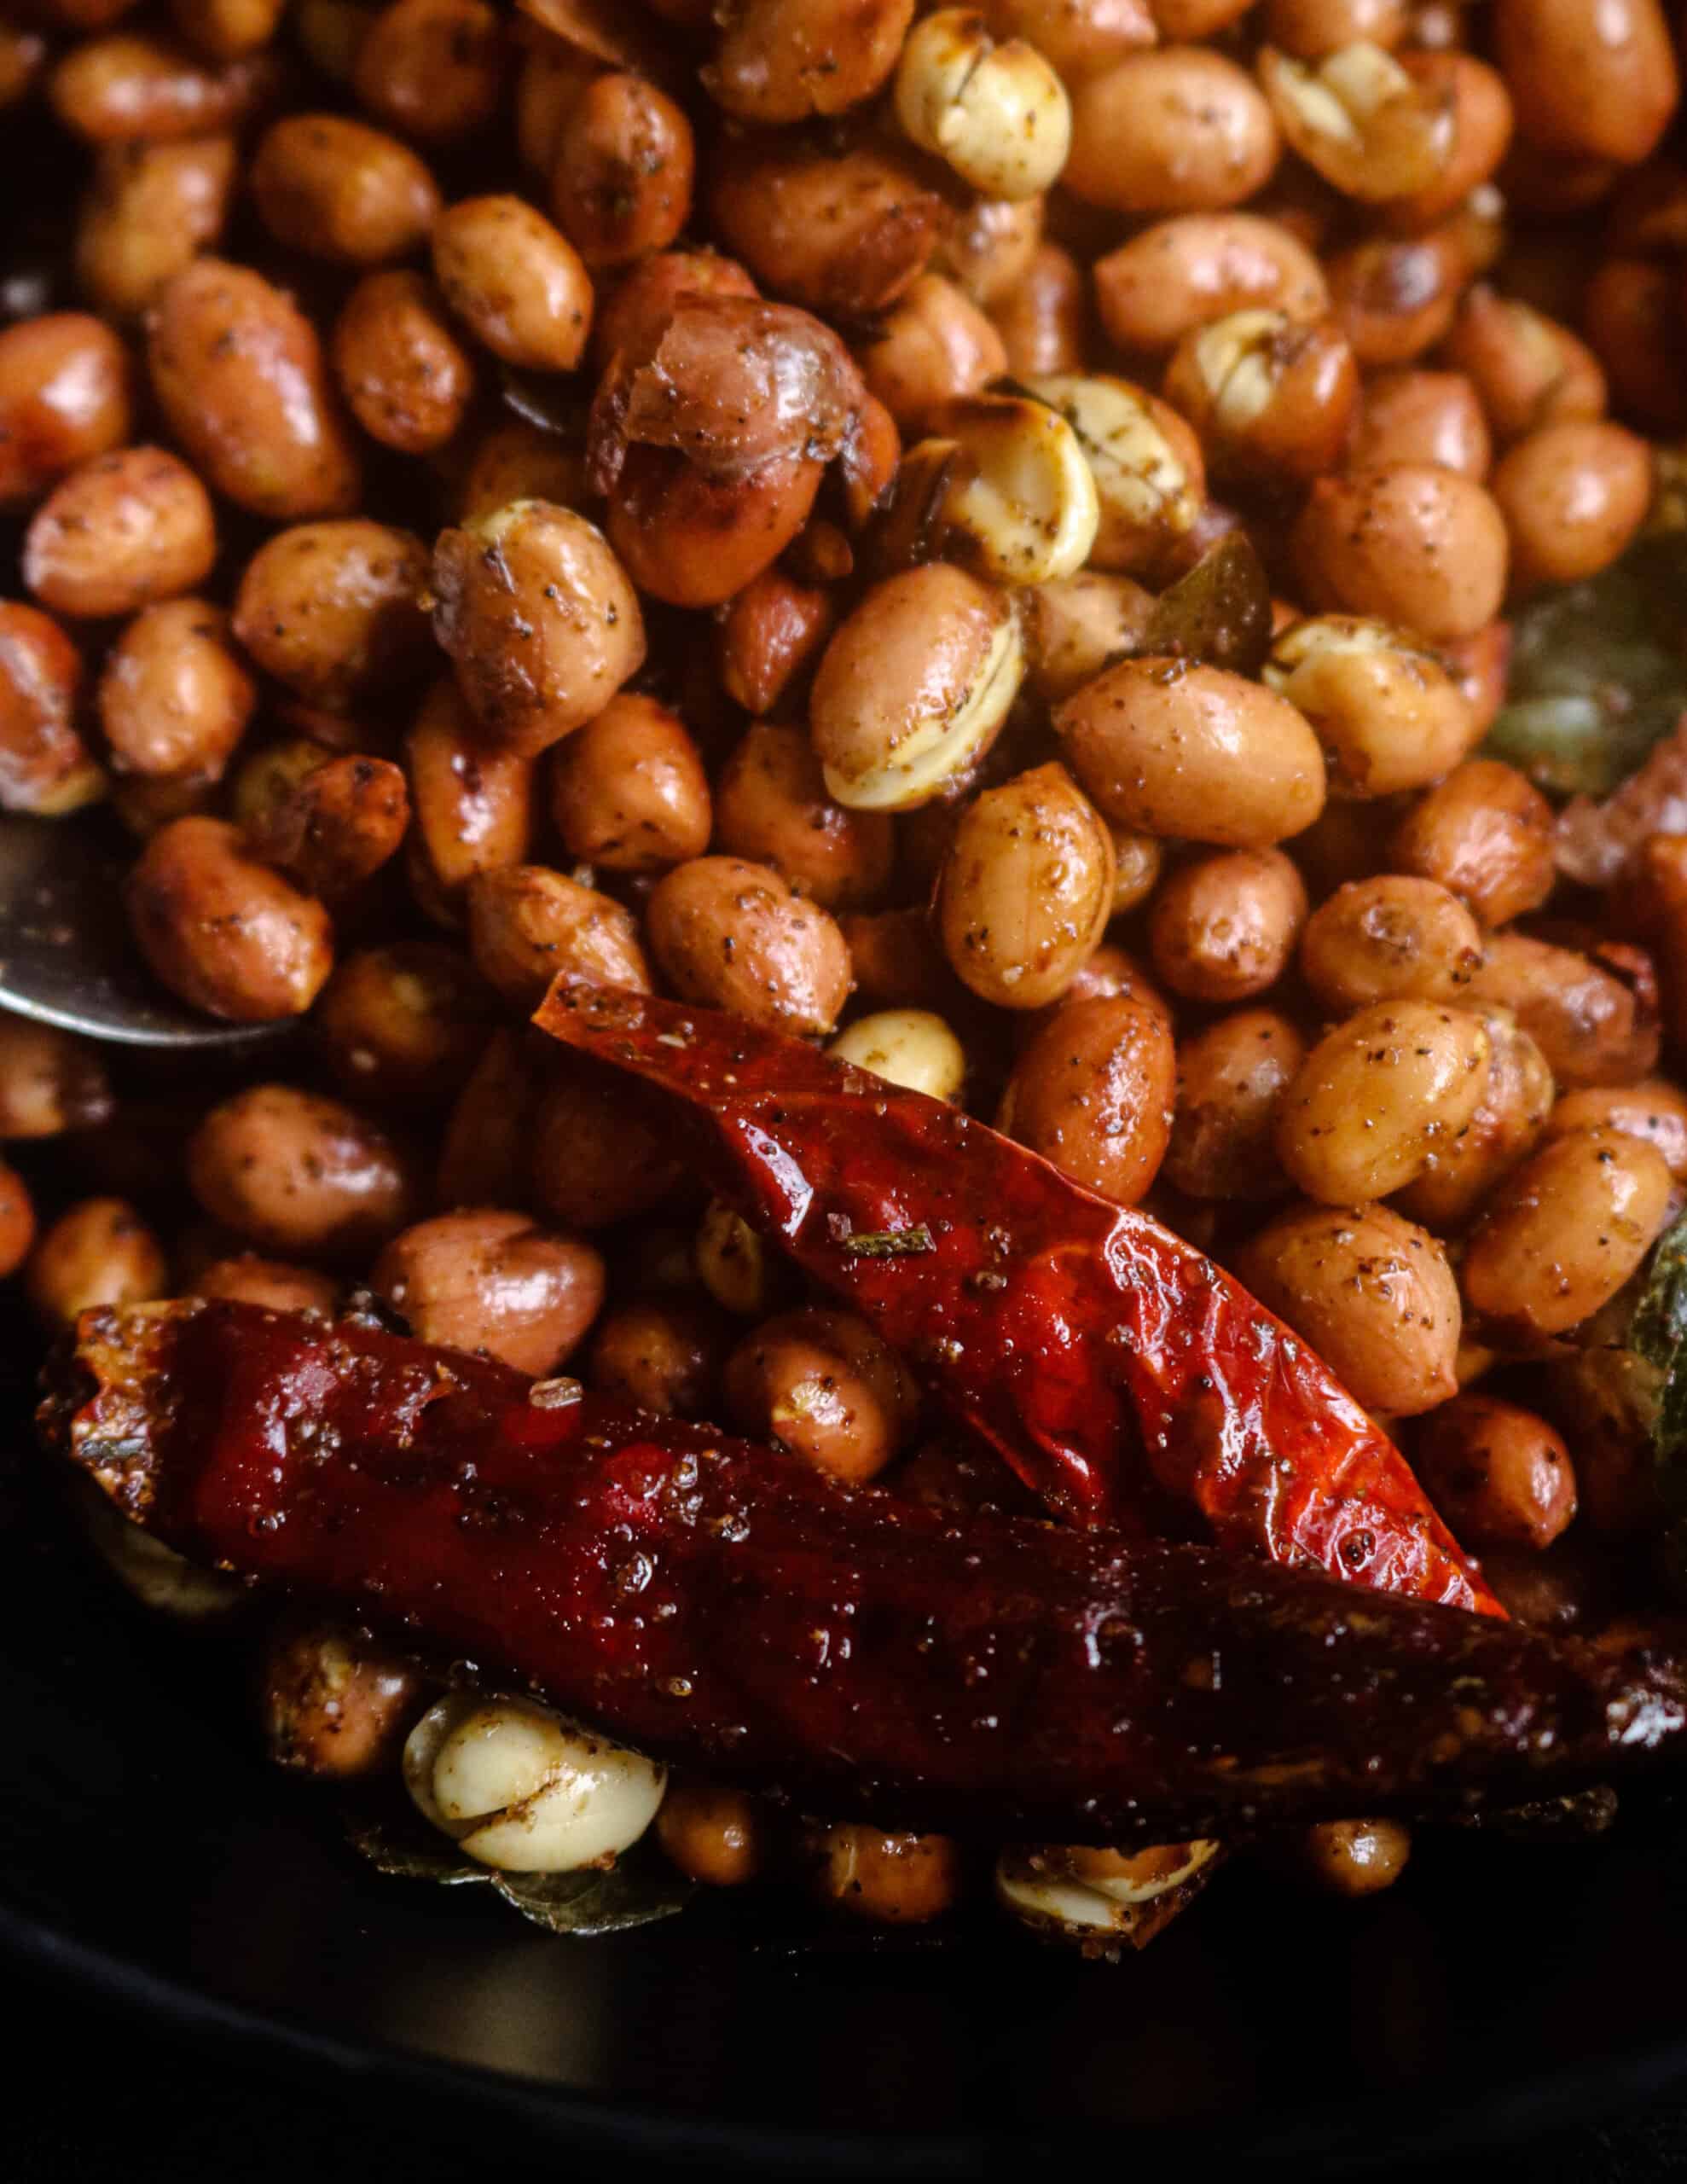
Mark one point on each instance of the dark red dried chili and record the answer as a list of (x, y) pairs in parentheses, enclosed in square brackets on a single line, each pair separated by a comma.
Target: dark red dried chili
[(726, 1605), (1123, 1374)]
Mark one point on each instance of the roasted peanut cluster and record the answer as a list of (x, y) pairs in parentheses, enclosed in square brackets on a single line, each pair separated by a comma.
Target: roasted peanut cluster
[(985, 537)]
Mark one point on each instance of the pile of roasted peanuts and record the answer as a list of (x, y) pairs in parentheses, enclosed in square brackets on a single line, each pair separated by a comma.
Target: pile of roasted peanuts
[(982, 538)]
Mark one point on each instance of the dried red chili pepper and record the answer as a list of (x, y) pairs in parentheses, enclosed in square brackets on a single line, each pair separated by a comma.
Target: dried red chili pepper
[(1121, 1373), (728, 1606)]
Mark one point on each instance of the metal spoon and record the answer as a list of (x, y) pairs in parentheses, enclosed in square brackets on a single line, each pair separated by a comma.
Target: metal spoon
[(66, 956)]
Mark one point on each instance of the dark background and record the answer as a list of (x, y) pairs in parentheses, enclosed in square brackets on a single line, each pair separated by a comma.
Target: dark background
[(95, 2094)]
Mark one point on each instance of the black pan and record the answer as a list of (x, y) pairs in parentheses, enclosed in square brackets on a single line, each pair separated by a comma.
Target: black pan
[(147, 1851)]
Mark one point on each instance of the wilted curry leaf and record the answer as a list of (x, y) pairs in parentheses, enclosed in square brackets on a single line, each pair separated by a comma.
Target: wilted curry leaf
[(1598, 673), (1219, 612), (635, 1890), (1658, 1333)]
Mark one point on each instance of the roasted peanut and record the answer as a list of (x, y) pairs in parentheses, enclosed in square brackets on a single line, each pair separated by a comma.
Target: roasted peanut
[(1223, 928), (1527, 369), (405, 376), (1093, 1093), (664, 1353), (520, 462), (65, 397), (494, 1283), (1270, 397), (238, 372), (771, 633), (591, 1159), (1233, 1078), (1653, 1110), (1422, 416), (1485, 834), (113, 90), (772, 807), (99, 1251), (1565, 1231), (992, 249), (887, 1880), (226, 28), (527, 925), (1076, 39), (1359, 118), (276, 1284), (333, 611), (1388, 714), (716, 1836), (1309, 29), (932, 346), (731, 934), (1026, 890), (1182, 273), (785, 60), (1195, 753), (694, 540), (1146, 464), (404, 1026), (1371, 1293), (1591, 79), (298, 1175), (45, 767), (333, 1706), (431, 68), (121, 531), (50, 1081), (824, 1386), (998, 113), (913, 687), (174, 697), (540, 621), (1378, 1096), (1594, 1025), (516, 282), (337, 188), (1506, 1126), (1572, 495), (629, 790), (1043, 319), (335, 824), (149, 211), (1499, 1474), (1177, 130), (844, 236), (622, 183), (226, 934), (1353, 1857), (1389, 938), (1417, 546), (473, 806)]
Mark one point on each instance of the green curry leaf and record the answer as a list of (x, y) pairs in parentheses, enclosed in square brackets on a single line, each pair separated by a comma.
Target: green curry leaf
[(633, 1892)]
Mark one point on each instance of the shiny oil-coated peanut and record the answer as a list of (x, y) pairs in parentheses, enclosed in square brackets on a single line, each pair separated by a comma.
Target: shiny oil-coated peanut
[(1093, 1094), (1373, 1294), (1232, 1077), (224, 932), (731, 934), (540, 621), (1195, 753), (239, 374), (1026, 889), (493, 1281), (1377, 1097), (1565, 1232)]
